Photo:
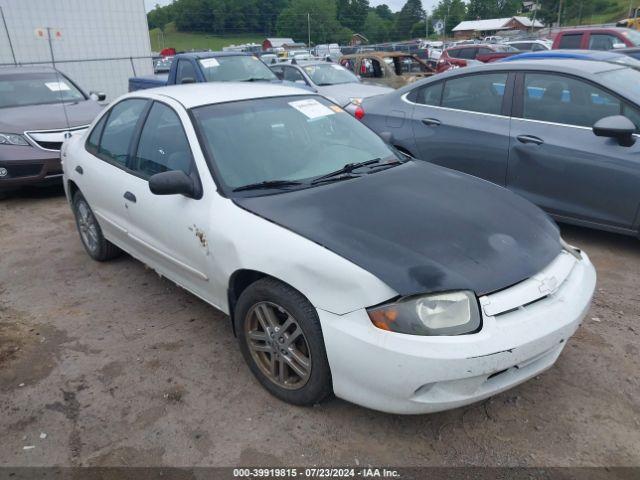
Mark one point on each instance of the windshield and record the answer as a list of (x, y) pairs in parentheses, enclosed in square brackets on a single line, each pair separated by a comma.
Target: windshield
[(236, 68), (632, 35), (623, 79), (294, 138), (22, 89), (329, 74)]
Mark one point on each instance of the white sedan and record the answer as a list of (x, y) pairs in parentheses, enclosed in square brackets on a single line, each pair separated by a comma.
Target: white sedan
[(345, 266)]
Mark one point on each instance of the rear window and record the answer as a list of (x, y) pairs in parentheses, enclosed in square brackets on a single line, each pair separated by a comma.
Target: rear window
[(572, 40)]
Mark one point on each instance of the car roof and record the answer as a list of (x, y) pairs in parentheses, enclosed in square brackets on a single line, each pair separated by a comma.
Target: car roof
[(14, 70), (198, 94), (593, 29), (570, 65), (603, 55), (198, 55)]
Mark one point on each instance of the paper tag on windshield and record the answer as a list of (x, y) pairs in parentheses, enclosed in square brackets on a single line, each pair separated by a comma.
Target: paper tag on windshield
[(209, 62), (57, 86), (311, 108)]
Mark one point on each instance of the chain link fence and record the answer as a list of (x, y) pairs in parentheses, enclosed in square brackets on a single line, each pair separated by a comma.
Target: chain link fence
[(97, 43)]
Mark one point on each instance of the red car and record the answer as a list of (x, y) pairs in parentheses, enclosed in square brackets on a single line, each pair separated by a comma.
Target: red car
[(457, 57), (596, 38)]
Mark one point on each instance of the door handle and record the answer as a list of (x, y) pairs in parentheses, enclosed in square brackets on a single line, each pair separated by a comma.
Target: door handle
[(79, 169), (530, 139), (431, 122), (130, 196)]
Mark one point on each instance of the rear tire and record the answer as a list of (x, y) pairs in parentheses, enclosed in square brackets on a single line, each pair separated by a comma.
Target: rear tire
[(281, 340), (98, 247)]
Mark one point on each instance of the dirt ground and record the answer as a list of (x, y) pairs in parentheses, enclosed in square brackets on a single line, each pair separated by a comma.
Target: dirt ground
[(116, 366)]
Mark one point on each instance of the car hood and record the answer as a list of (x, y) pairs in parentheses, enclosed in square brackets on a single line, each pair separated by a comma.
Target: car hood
[(48, 117), (421, 228), (343, 92)]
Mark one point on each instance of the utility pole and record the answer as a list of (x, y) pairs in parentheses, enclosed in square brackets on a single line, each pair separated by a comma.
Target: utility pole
[(309, 29), (559, 12), (426, 25)]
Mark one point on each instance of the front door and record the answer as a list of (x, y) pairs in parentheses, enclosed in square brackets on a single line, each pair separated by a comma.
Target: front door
[(558, 163), (171, 232), (463, 123)]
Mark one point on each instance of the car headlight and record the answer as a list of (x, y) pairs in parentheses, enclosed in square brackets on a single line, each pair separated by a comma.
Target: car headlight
[(355, 100), (12, 139), (448, 313)]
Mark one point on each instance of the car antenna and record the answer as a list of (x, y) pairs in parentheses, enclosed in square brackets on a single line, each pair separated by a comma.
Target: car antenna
[(59, 81)]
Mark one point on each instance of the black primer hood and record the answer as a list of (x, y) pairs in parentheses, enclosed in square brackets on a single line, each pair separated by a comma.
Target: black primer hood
[(421, 228)]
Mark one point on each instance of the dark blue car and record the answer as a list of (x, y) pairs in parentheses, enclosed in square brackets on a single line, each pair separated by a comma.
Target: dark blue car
[(560, 132)]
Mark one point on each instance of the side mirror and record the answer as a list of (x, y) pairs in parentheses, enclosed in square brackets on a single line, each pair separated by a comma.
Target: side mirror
[(618, 127), (618, 45), (187, 80), (173, 182), (387, 137), (97, 96)]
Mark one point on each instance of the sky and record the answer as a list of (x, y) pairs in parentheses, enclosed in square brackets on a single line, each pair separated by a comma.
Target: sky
[(395, 5)]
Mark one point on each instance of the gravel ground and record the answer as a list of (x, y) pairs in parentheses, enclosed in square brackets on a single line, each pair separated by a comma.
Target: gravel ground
[(108, 364)]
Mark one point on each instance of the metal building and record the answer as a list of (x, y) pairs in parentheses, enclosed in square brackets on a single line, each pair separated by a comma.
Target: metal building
[(98, 43)]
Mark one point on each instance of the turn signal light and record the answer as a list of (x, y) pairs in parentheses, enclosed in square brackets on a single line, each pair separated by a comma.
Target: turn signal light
[(359, 113)]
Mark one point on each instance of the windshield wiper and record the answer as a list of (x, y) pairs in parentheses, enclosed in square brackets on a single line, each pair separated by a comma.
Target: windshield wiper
[(267, 184), (257, 79), (348, 168)]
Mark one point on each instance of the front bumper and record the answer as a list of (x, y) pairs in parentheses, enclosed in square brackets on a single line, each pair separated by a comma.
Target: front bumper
[(409, 374), (28, 166)]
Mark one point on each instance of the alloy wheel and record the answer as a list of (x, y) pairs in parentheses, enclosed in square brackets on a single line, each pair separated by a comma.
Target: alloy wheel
[(87, 226), (277, 345)]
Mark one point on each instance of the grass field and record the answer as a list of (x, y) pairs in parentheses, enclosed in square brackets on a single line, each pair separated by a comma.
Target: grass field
[(618, 10), (196, 41)]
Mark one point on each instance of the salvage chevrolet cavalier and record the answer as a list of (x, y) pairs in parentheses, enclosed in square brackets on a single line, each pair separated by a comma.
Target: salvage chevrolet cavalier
[(345, 265)]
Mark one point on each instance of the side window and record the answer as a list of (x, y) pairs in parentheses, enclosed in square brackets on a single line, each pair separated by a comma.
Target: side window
[(429, 94), (562, 99), (119, 129), (536, 47), (475, 93), (602, 41), (163, 144), (484, 51), (186, 71), (371, 68), (278, 71), (632, 114), (454, 53), (468, 53), (572, 40), (292, 74), (94, 137)]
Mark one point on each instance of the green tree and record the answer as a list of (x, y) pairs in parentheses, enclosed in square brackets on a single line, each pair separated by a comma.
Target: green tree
[(376, 28), (408, 16), (325, 27), (352, 13), (385, 12)]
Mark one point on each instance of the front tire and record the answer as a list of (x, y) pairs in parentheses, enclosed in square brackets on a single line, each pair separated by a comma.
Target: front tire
[(98, 247), (281, 340)]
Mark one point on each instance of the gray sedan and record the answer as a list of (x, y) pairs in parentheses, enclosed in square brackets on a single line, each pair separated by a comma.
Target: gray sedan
[(330, 80), (561, 133)]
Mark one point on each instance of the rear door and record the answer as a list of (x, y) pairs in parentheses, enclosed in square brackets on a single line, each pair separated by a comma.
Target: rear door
[(463, 123), (558, 163), (102, 172)]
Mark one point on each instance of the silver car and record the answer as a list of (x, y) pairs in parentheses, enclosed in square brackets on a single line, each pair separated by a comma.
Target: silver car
[(329, 79), (560, 132)]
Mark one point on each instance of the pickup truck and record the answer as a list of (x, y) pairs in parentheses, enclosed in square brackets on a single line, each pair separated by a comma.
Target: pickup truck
[(597, 38), (199, 67)]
